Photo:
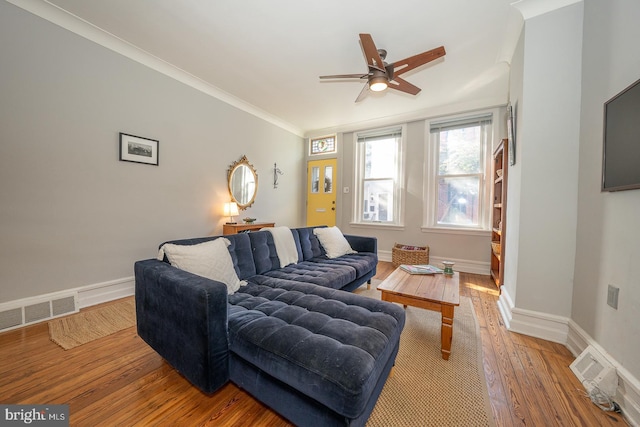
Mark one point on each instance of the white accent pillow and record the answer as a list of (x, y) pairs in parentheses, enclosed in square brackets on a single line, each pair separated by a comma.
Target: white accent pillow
[(209, 259), (333, 241)]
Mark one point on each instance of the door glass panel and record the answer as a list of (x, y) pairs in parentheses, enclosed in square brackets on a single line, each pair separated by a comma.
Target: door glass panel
[(328, 179), (315, 179)]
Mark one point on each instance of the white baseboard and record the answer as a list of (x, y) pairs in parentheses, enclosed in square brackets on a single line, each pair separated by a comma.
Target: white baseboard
[(628, 392), (28, 311), (532, 323), (384, 256), (467, 266), (505, 306), (565, 331), (105, 291), (539, 325)]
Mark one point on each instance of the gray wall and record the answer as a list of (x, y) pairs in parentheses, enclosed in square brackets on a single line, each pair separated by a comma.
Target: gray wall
[(470, 251), (512, 238), (608, 223), (548, 269), (544, 187), (71, 213)]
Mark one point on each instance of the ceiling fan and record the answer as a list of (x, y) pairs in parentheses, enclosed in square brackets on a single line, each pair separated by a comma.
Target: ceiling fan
[(382, 75)]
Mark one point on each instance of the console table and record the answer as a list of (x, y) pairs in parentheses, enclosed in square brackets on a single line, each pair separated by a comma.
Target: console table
[(242, 227)]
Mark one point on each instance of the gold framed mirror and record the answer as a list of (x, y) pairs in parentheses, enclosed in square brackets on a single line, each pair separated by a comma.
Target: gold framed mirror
[(242, 179)]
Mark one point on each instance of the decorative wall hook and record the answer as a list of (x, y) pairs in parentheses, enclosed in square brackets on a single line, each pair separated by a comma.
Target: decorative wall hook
[(276, 172)]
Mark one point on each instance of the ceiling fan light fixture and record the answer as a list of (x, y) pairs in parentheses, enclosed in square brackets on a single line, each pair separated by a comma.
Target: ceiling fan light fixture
[(382, 75), (378, 83)]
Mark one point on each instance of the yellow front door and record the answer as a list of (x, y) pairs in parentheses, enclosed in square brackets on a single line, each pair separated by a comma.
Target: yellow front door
[(321, 192)]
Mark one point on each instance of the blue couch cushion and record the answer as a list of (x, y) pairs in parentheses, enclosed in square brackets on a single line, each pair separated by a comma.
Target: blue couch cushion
[(310, 246), (334, 276), (264, 250), (363, 262), (265, 256), (242, 255), (331, 345)]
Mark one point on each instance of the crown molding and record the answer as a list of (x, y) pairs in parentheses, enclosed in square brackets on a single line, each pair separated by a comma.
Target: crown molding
[(76, 25), (532, 8), (428, 113)]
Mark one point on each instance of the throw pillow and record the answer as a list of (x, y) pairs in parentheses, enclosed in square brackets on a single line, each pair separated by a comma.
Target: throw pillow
[(209, 259), (333, 241)]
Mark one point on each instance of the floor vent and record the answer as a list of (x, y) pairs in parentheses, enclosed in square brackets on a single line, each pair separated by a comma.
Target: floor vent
[(33, 311), (593, 369), (36, 312), (63, 305), (10, 318)]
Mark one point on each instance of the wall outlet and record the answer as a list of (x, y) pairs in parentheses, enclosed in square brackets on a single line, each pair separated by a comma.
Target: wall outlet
[(612, 296)]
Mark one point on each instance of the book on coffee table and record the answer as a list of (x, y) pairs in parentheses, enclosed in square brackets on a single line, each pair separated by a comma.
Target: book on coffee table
[(420, 269)]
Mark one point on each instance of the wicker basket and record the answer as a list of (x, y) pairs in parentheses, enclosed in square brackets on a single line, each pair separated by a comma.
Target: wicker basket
[(406, 254)]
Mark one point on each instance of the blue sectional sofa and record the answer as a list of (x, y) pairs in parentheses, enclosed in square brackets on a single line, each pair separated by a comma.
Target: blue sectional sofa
[(291, 336)]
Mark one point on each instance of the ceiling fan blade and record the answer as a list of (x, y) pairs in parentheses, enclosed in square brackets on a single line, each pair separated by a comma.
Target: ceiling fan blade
[(371, 52), (403, 86), (408, 64), (346, 76), (363, 93)]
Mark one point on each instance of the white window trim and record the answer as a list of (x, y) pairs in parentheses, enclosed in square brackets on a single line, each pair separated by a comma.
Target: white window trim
[(399, 198), (430, 168)]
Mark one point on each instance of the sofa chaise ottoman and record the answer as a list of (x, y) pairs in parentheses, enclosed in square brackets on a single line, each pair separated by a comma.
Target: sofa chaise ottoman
[(289, 335)]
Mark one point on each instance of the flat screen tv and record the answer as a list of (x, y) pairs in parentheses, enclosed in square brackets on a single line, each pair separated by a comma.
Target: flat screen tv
[(621, 147)]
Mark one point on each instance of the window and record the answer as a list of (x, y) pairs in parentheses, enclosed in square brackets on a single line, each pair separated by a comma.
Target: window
[(456, 193), (379, 164), (324, 145)]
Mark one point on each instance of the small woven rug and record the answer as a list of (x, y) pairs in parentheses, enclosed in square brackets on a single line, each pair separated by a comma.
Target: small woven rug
[(426, 390), (86, 326)]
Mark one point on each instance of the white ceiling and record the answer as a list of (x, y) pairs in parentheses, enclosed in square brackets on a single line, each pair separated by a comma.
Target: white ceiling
[(269, 54)]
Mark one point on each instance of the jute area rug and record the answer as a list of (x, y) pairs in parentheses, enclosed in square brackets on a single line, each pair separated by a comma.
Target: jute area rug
[(426, 390), (81, 328), (422, 390)]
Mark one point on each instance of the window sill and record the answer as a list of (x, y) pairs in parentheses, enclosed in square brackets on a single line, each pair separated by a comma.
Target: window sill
[(380, 226), (458, 231)]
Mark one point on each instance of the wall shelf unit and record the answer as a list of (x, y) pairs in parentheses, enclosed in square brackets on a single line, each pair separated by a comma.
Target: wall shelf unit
[(499, 215)]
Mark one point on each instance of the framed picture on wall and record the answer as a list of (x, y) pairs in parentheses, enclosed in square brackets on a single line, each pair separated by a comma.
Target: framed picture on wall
[(511, 134), (138, 149)]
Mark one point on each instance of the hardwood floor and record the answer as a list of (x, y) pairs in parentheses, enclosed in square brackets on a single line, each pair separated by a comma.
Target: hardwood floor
[(119, 380)]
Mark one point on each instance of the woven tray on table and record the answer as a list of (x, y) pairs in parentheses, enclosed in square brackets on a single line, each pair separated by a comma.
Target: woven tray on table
[(407, 254)]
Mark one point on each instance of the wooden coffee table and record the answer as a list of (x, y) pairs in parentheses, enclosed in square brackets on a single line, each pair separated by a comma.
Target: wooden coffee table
[(435, 292)]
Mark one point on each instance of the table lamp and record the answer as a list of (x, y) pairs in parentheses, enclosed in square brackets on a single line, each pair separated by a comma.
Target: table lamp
[(231, 210)]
